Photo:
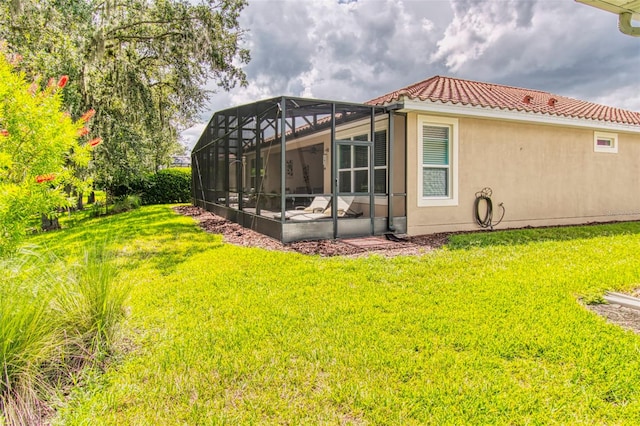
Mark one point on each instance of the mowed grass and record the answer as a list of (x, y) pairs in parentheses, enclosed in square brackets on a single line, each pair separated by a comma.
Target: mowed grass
[(488, 331)]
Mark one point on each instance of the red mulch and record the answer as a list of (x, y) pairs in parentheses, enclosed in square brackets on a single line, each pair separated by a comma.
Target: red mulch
[(233, 233)]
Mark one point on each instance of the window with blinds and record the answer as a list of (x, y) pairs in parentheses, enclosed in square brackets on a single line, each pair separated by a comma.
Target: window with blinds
[(436, 147), (380, 162)]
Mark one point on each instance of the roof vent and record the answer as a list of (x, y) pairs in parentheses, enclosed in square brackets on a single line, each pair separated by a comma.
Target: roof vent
[(527, 99), (552, 102)]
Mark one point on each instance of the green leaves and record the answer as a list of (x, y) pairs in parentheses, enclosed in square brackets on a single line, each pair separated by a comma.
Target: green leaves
[(38, 147), (141, 64), (57, 316), (167, 186)]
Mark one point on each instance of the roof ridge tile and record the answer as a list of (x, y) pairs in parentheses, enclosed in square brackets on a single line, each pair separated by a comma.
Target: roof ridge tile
[(476, 93)]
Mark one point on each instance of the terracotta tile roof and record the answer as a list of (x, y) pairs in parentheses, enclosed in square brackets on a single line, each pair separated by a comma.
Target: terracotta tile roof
[(465, 92)]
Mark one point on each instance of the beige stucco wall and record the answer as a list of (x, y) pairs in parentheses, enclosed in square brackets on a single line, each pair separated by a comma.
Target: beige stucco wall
[(544, 175)]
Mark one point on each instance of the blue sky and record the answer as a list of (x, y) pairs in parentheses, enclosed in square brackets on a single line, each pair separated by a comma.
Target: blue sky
[(358, 50)]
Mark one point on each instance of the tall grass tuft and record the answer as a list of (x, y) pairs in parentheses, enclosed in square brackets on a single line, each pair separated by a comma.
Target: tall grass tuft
[(28, 338), (55, 318), (91, 305)]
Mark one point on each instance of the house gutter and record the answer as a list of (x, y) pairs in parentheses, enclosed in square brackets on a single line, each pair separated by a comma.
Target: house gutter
[(622, 300), (439, 107), (624, 24)]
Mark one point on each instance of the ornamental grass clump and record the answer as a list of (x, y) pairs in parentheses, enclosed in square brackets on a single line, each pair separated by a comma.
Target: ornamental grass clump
[(91, 305), (56, 317), (29, 340)]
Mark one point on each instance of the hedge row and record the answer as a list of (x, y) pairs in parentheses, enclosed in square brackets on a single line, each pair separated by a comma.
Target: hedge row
[(165, 187)]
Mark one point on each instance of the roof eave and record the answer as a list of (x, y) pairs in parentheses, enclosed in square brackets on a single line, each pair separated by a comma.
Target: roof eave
[(439, 107)]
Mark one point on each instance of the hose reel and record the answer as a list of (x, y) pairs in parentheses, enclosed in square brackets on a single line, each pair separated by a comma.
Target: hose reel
[(486, 220)]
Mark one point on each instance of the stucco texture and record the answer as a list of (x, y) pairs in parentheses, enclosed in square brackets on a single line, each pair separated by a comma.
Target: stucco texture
[(544, 175)]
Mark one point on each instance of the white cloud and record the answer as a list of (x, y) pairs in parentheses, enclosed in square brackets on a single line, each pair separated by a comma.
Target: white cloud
[(625, 97), (190, 136), (358, 50), (478, 24), (475, 27)]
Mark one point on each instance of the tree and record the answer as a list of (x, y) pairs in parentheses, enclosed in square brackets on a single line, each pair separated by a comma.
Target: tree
[(38, 150), (141, 64)]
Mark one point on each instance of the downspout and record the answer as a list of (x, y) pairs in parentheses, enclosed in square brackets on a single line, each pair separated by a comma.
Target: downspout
[(283, 160), (334, 172), (390, 158), (390, 170), (624, 24)]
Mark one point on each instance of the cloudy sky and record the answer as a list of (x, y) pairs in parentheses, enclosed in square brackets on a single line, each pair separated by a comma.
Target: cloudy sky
[(356, 50)]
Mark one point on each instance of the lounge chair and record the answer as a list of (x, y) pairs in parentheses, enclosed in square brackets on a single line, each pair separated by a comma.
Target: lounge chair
[(318, 205), (344, 210)]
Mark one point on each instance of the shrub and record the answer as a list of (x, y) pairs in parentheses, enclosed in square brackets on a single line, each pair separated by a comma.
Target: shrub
[(164, 187), (167, 186), (97, 209), (39, 149), (126, 203)]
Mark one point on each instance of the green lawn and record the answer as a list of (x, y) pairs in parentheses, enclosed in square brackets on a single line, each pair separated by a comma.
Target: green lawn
[(486, 331)]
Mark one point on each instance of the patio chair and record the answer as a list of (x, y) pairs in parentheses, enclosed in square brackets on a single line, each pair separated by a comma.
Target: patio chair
[(344, 210), (318, 205)]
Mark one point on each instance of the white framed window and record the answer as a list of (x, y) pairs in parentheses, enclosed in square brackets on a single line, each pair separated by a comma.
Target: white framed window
[(353, 167), (353, 164), (437, 161), (605, 142)]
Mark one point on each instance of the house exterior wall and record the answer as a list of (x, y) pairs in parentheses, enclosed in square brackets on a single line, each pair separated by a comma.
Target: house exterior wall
[(544, 174)]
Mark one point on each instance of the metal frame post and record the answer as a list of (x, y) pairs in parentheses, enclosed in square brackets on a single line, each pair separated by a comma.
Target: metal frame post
[(372, 168), (226, 161), (258, 171), (283, 165), (334, 172), (240, 153)]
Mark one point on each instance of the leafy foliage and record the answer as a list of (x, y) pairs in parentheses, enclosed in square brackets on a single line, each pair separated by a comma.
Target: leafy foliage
[(167, 186), (126, 203), (38, 150), (164, 187), (141, 65), (27, 340)]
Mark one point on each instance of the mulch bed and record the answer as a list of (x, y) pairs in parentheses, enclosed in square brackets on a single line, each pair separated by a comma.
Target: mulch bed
[(233, 233)]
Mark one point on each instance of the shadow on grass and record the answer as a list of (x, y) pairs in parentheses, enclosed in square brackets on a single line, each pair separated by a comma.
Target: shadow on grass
[(150, 234), (512, 237)]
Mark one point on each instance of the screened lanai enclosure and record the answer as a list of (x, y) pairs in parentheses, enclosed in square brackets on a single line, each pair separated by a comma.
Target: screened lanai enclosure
[(304, 169)]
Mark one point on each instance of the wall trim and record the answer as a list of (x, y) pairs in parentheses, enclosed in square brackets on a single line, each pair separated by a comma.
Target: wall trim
[(437, 107)]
